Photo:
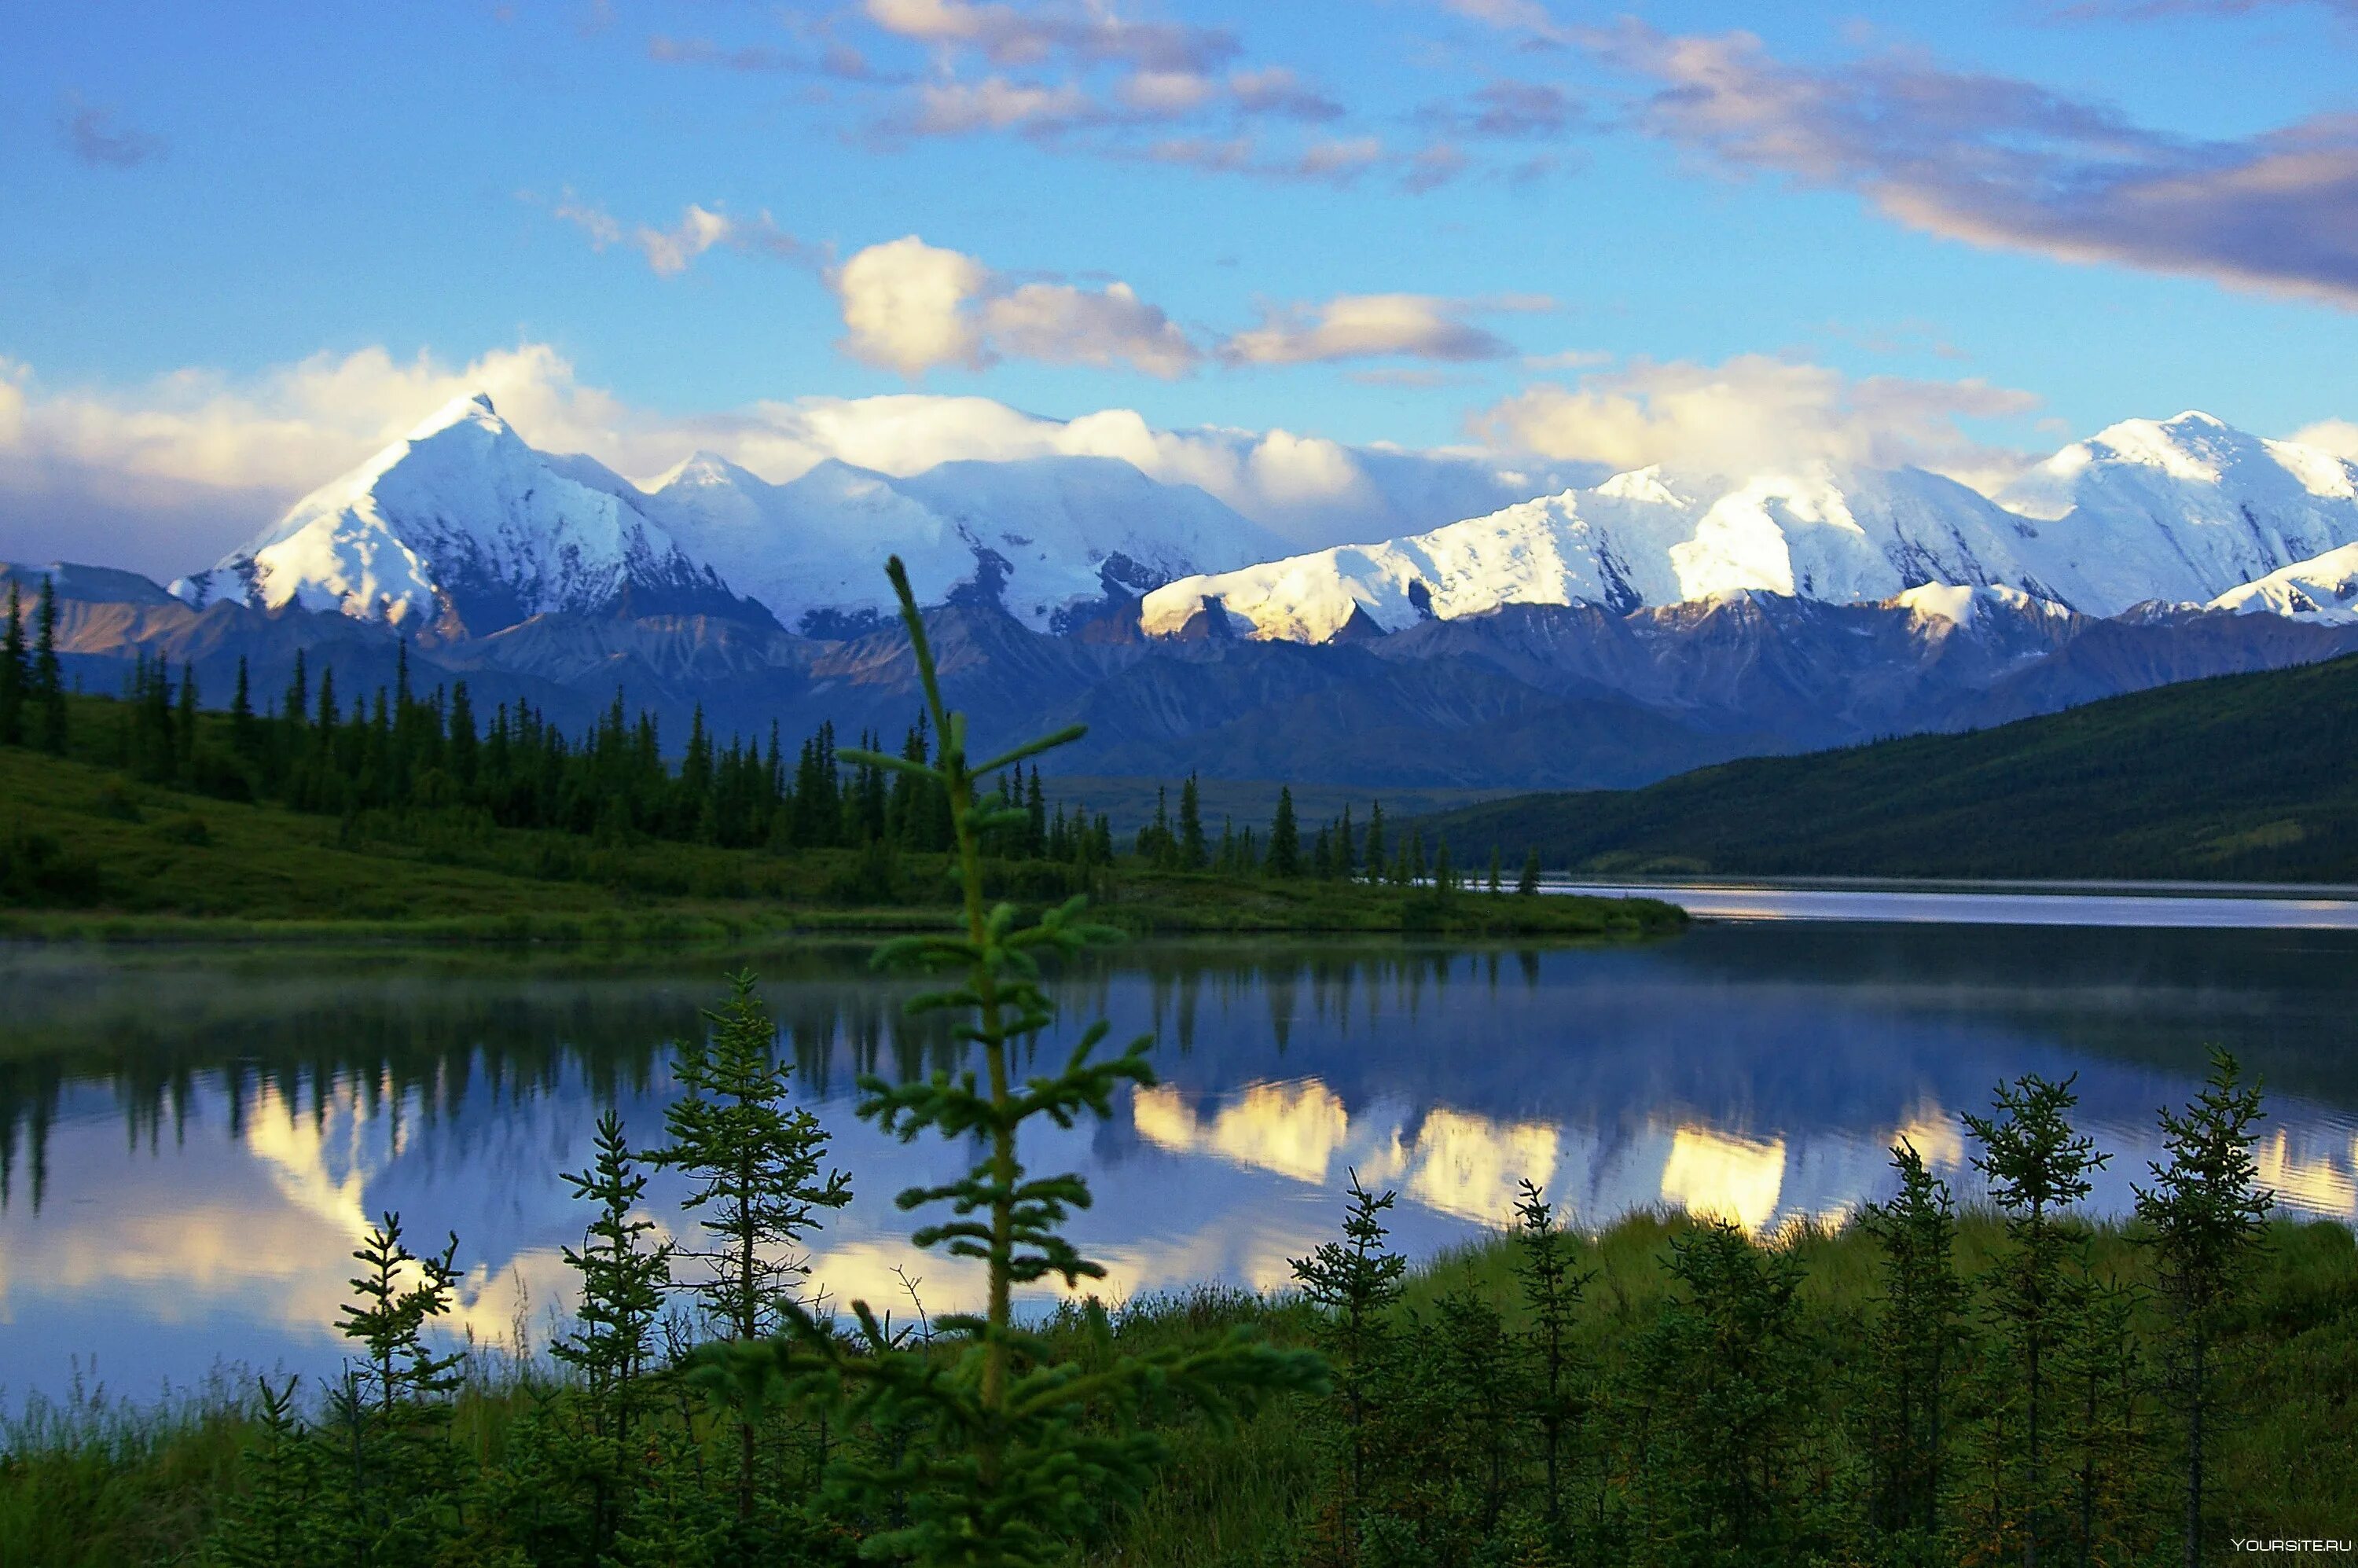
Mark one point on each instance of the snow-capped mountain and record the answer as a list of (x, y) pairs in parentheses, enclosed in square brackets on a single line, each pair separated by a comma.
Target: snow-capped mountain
[(1046, 538), (2323, 589), (2180, 511), (462, 527), (1648, 537)]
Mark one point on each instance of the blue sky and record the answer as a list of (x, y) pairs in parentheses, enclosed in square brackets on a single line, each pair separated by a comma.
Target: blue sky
[(240, 247)]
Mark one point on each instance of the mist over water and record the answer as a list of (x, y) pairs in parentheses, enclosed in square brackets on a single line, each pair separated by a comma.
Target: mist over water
[(191, 1141)]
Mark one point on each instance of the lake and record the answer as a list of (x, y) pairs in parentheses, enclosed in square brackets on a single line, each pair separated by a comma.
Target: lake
[(191, 1140)]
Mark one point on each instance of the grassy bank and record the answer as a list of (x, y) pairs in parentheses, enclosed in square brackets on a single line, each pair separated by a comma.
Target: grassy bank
[(85, 1484), (86, 853)]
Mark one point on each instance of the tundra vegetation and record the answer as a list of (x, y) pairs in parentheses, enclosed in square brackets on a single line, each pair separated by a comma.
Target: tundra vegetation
[(1996, 1381)]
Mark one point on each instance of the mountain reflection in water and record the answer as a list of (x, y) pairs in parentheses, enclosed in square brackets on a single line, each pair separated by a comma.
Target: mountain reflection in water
[(190, 1142)]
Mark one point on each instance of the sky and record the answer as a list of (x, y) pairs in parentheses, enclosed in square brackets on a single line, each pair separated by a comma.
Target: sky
[(1252, 246)]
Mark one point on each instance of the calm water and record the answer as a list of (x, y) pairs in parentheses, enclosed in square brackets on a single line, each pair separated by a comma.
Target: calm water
[(191, 1142), (2279, 909)]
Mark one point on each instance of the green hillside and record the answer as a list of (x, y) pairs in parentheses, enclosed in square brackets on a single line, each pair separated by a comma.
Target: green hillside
[(2244, 777), (89, 849)]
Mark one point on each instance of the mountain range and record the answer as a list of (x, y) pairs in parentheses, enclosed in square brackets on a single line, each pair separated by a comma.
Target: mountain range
[(1598, 636)]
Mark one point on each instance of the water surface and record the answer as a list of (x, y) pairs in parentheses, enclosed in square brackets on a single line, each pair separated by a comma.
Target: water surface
[(1998, 905), (191, 1141)]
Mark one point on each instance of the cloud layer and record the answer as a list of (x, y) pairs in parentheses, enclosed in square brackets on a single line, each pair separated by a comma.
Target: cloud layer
[(1753, 412), (168, 475), (1998, 161)]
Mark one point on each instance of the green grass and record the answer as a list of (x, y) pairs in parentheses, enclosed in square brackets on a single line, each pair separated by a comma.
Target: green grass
[(2243, 777), (136, 862)]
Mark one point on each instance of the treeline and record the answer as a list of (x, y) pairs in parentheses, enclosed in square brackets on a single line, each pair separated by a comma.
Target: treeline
[(32, 687), (400, 751), (1336, 851)]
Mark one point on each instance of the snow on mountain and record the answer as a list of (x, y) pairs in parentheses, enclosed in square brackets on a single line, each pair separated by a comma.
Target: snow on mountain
[(1040, 536), (1967, 607), (2181, 509), (462, 526), (1643, 538), (2178, 511), (2323, 589)]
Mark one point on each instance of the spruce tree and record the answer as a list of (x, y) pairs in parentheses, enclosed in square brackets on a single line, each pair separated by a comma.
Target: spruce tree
[(1498, 869), (1355, 1282), (1005, 1469), (15, 672), (394, 1406), (1551, 1290), (2206, 1216), (1284, 856), (623, 1279), (1375, 850), (245, 734), (1192, 856), (48, 688), (1721, 1392), (1528, 882), (184, 728), (756, 1161), (2037, 1168), (275, 1521), (1913, 1347)]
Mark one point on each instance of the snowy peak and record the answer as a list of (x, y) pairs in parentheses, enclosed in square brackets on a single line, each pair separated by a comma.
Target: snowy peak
[(1043, 537), (2181, 510), (470, 408), (462, 527)]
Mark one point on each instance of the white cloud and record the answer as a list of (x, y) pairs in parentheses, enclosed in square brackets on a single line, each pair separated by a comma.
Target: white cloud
[(171, 474), (905, 305), (1752, 411), (2338, 437), (1373, 326), (911, 307), (670, 252)]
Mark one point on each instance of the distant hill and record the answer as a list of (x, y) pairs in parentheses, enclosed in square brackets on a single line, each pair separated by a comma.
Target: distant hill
[(2252, 776)]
